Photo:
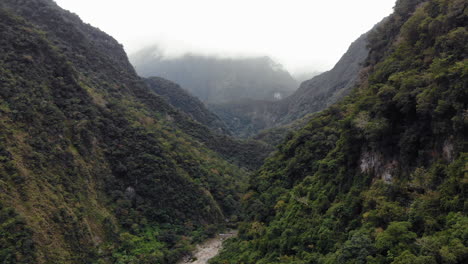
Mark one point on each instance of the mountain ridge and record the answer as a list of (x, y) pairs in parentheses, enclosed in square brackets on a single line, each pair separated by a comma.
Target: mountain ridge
[(216, 79), (184, 101)]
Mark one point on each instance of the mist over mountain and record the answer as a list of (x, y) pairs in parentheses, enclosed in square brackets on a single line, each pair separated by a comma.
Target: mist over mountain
[(246, 118), (218, 80), (244, 93), (304, 76)]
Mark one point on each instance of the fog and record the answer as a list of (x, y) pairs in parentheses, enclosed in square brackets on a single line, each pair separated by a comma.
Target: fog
[(303, 35)]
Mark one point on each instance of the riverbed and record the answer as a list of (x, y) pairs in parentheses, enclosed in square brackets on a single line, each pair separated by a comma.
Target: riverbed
[(208, 249)]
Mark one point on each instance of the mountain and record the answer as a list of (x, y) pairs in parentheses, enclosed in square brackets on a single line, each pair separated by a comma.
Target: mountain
[(381, 176), (218, 80), (327, 88), (95, 167), (246, 118), (254, 94), (185, 102), (305, 76)]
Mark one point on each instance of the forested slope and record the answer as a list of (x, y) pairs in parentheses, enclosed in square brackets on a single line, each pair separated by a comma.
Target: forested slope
[(382, 176), (94, 166), (187, 103)]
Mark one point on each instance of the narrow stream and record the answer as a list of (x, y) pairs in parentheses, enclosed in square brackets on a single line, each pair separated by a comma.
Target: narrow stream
[(208, 249)]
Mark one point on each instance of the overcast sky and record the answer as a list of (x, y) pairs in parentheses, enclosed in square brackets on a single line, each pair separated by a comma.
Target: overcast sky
[(303, 35)]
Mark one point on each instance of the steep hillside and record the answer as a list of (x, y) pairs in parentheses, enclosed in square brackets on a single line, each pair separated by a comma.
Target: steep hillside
[(382, 176), (327, 88), (245, 118), (185, 102), (94, 166), (218, 80)]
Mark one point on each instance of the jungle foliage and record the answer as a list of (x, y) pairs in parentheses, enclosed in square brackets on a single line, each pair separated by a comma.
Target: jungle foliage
[(94, 166), (381, 177)]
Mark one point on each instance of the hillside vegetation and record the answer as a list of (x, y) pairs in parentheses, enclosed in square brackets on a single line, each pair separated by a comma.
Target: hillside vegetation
[(381, 177), (94, 166), (98, 165), (185, 102)]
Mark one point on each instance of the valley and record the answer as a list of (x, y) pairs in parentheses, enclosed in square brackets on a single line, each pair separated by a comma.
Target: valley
[(200, 159)]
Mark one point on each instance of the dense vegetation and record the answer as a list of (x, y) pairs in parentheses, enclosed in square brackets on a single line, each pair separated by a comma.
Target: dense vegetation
[(182, 100), (380, 177), (94, 166)]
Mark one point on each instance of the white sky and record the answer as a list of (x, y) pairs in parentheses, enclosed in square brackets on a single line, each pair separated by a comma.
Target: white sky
[(303, 35)]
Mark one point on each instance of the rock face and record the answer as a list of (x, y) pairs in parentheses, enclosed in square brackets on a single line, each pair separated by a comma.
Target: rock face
[(218, 80)]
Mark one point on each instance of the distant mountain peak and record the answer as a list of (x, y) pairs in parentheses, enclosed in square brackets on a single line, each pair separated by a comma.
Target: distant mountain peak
[(216, 79)]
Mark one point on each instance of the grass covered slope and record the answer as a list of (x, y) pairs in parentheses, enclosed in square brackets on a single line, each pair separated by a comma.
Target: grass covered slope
[(382, 176), (94, 166)]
